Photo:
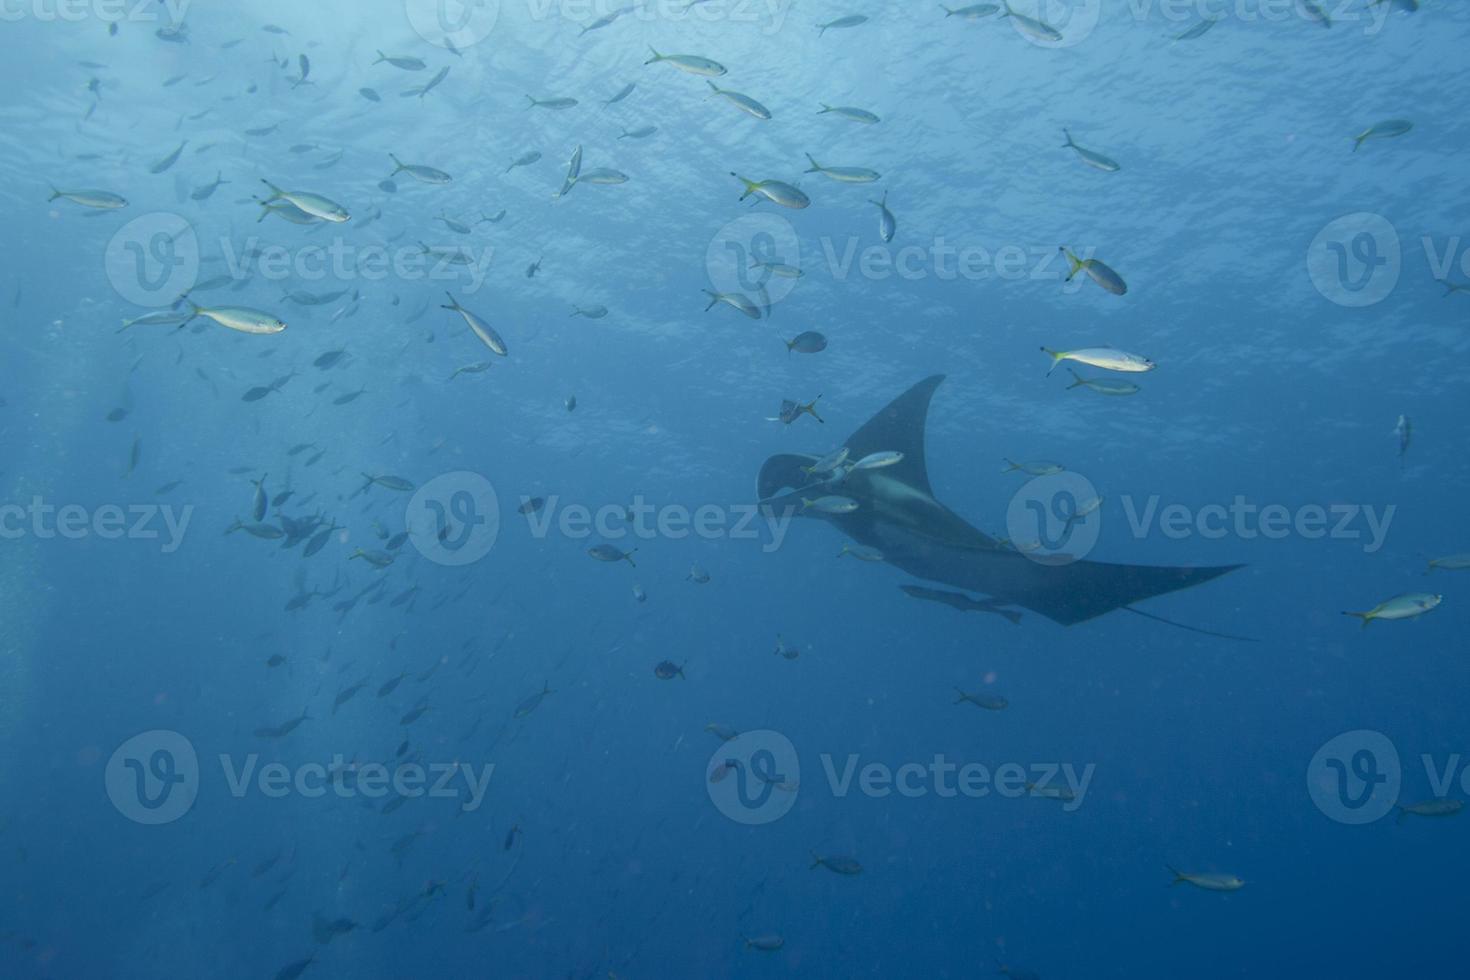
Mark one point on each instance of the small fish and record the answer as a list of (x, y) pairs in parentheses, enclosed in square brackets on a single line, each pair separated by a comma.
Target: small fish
[(840, 864), (1314, 13), (378, 559), (887, 223), (807, 342), (1030, 27), (510, 836), (239, 318), (1096, 160), (792, 410), (481, 329), (531, 703), (642, 132), (735, 301), (775, 191), (1209, 882), (861, 553), (1405, 432), (606, 552), (766, 944), (691, 63), (169, 160), (843, 175), (1101, 357), (1406, 606), (622, 94), (973, 12), (1097, 270), (559, 102), (1198, 30), (830, 504), (1453, 563), (419, 172), (697, 575), (524, 160), (403, 63), (101, 200), (1103, 385), (1438, 807), (989, 702), (852, 20), (590, 312), (742, 102), (1383, 130), (313, 204), (1038, 468), (849, 112), (665, 670)]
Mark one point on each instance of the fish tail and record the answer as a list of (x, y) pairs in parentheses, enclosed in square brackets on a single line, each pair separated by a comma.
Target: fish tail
[(1366, 617), (398, 165), (811, 408), (1175, 872), (1012, 617), (532, 100), (816, 861), (1072, 260), (714, 298), (1078, 383), (750, 185), (1056, 358), (825, 108), (1403, 815), (961, 696), (628, 557), (54, 193), (713, 87), (1069, 139), (815, 167), (656, 55), (454, 303)]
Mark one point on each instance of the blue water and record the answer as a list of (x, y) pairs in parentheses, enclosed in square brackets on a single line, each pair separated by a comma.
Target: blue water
[(1290, 333)]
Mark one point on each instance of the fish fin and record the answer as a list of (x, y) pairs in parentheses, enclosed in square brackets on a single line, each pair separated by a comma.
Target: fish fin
[(1069, 142), (54, 193), (1366, 617), (1078, 383), (1056, 358), (815, 168), (714, 298), (656, 55)]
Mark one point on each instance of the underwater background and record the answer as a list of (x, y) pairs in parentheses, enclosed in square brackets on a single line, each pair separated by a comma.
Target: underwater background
[(162, 631)]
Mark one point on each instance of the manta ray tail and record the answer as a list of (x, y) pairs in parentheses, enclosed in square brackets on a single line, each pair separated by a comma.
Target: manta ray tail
[(1192, 629)]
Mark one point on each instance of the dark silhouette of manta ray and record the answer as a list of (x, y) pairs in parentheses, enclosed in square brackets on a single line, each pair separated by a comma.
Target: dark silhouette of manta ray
[(898, 515)]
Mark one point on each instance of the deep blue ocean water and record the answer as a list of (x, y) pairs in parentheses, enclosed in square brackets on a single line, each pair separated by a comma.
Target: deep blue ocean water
[(156, 818)]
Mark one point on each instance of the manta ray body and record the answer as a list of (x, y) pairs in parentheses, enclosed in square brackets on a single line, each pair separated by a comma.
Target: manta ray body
[(898, 514)]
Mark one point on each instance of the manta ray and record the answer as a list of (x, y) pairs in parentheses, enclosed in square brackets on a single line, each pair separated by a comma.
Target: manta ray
[(898, 515)]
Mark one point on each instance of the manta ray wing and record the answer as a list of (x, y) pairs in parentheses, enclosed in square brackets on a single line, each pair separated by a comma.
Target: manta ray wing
[(929, 541)]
